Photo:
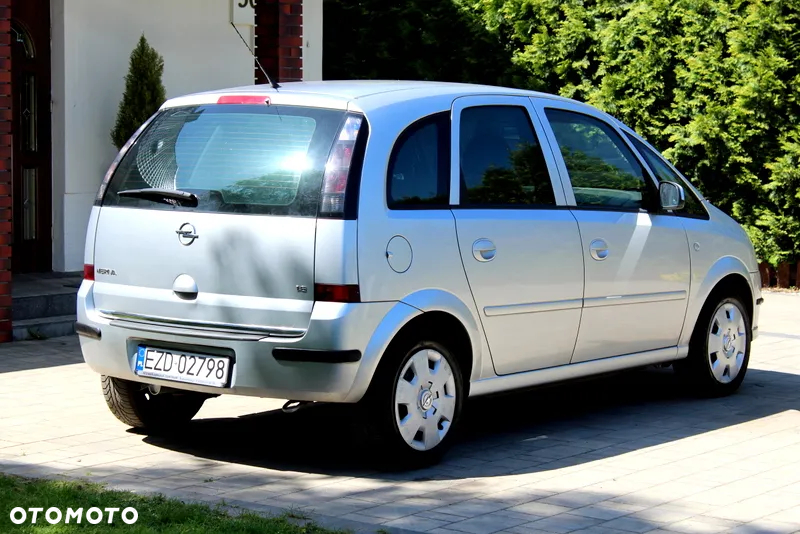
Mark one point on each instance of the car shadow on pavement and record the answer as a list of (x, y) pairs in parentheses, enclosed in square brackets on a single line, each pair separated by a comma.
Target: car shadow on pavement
[(558, 426)]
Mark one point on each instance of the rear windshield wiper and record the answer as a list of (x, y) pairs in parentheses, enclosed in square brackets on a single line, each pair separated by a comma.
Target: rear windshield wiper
[(165, 196)]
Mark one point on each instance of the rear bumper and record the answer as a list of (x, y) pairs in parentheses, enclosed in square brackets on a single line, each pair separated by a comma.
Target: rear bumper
[(333, 361)]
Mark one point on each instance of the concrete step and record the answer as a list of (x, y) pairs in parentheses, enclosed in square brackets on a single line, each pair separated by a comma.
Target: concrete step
[(44, 327), (44, 305)]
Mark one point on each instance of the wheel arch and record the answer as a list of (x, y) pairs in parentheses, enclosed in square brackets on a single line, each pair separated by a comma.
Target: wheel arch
[(727, 277), (418, 314)]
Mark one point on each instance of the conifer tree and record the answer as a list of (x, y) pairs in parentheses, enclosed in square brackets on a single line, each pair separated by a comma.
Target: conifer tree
[(144, 92)]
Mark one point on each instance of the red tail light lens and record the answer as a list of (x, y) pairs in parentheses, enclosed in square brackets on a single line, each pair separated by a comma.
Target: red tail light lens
[(335, 293), (337, 169), (88, 272)]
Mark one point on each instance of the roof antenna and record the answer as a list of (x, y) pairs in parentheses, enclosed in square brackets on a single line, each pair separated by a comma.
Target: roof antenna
[(269, 80)]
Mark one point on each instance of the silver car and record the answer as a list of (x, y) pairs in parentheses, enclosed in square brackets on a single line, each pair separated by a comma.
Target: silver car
[(400, 246)]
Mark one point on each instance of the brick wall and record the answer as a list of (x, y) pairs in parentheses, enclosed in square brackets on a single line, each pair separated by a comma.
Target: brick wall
[(279, 39), (5, 170)]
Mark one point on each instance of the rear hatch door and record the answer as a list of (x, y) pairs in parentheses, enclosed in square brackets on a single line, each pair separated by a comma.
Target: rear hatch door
[(209, 220)]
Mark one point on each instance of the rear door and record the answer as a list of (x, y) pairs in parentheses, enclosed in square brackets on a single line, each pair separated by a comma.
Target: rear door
[(243, 257), (519, 244)]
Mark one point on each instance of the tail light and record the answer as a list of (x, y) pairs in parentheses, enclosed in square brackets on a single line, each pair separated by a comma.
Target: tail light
[(336, 293), (88, 272), (337, 169)]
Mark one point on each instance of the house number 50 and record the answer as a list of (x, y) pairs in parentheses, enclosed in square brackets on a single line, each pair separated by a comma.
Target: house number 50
[(245, 3)]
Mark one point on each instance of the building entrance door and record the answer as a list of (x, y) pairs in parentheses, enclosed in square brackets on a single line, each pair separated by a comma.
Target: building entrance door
[(31, 164)]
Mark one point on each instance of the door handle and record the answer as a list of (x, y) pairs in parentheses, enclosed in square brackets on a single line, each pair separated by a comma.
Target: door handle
[(483, 250), (598, 249)]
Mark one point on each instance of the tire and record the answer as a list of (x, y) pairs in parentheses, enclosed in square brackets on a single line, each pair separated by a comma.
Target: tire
[(410, 425), (133, 404), (719, 351)]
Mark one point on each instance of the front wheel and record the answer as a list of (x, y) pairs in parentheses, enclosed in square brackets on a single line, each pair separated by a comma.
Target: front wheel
[(136, 405), (414, 404), (719, 351)]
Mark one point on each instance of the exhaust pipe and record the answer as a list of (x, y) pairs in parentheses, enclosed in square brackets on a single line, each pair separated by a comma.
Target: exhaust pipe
[(292, 406)]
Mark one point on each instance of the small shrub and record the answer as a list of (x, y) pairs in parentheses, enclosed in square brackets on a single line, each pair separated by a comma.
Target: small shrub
[(144, 92)]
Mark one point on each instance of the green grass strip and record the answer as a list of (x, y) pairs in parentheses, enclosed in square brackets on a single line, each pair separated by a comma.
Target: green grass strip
[(156, 514)]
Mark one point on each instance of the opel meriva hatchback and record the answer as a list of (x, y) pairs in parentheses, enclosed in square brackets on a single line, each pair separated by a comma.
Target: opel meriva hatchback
[(402, 246)]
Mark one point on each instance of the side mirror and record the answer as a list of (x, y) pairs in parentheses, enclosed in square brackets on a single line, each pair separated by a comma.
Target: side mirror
[(671, 195)]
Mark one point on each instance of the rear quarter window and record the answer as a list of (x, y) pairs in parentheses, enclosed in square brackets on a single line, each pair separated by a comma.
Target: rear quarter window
[(419, 167), (236, 158)]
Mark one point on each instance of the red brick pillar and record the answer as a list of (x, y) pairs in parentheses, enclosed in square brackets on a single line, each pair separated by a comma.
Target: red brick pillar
[(279, 40), (783, 275), (5, 171), (766, 275)]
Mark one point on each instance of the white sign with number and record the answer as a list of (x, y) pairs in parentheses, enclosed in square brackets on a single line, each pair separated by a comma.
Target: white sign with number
[(243, 12)]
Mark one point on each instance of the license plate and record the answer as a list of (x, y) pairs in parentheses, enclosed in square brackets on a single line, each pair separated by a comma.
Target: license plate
[(182, 366)]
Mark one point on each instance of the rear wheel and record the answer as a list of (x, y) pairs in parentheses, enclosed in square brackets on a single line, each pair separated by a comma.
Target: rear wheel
[(719, 351), (413, 407), (136, 405)]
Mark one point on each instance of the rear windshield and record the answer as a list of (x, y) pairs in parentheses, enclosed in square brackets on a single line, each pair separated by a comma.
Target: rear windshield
[(255, 159)]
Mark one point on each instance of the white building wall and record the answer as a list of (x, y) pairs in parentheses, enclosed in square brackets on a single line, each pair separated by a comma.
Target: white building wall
[(91, 44), (312, 40)]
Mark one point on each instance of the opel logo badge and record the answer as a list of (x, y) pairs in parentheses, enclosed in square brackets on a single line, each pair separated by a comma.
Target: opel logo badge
[(426, 400), (186, 234)]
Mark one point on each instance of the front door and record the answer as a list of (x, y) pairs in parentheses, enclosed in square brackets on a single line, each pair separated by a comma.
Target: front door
[(32, 188), (636, 256), (520, 246)]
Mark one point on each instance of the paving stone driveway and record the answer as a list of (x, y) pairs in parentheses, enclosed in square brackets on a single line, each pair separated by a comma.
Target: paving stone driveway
[(624, 454)]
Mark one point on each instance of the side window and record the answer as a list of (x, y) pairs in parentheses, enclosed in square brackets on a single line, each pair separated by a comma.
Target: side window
[(502, 163), (664, 173), (419, 168), (603, 170)]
